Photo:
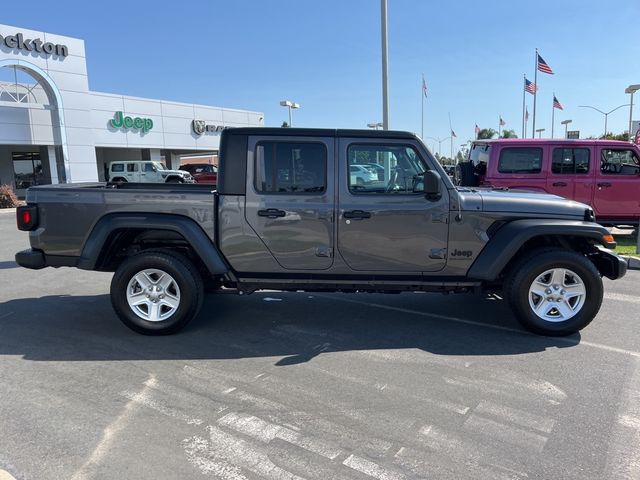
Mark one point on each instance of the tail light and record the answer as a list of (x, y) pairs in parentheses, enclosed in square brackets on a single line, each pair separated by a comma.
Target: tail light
[(27, 217)]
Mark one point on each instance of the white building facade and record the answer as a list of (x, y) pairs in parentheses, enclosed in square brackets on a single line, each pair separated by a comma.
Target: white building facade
[(53, 129)]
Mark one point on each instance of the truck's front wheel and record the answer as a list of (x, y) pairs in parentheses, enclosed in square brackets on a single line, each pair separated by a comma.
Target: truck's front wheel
[(156, 293), (554, 291)]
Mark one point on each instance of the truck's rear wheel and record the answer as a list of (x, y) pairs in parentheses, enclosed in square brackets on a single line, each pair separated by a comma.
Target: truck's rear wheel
[(554, 291), (156, 293)]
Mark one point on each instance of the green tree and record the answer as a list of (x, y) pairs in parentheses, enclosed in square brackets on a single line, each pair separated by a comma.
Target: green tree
[(486, 133), (619, 136), (285, 125), (509, 134)]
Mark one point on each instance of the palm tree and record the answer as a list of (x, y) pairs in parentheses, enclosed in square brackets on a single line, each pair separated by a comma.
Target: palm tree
[(486, 133), (509, 134)]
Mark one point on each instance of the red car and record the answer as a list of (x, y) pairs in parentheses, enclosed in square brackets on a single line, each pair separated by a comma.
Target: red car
[(202, 172), (604, 174)]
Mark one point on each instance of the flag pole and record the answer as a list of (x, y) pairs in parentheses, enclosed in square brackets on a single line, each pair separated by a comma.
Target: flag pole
[(553, 113), (535, 95), (524, 84), (499, 125)]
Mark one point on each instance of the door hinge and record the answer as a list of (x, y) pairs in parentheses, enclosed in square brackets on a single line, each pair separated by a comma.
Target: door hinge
[(324, 252), (438, 253), (440, 217)]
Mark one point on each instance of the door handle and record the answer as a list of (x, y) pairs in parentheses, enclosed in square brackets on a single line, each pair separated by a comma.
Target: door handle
[(357, 214), (604, 185), (560, 184), (271, 213)]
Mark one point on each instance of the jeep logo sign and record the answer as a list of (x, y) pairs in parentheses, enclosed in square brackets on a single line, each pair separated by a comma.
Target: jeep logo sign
[(128, 123), (200, 126), (18, 42)]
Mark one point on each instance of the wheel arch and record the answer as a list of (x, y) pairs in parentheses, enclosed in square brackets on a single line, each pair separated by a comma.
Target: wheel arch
[(113, 232), (519, 236)]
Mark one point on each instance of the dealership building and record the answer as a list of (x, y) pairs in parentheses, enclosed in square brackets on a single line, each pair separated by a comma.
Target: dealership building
[(54, 129)]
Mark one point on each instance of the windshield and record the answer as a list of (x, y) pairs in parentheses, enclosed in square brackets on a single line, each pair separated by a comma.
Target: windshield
[(159, 166)]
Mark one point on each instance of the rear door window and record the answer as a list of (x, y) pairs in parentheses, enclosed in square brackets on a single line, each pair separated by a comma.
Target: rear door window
[(117, 167), (283, 167), (520, 160), (570, 161)]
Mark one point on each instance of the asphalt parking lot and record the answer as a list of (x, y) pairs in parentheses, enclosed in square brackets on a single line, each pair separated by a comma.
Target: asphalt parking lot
[(289, 386)]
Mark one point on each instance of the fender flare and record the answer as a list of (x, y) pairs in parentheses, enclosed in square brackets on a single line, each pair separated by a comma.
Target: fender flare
[(185, 226), (502, 246)]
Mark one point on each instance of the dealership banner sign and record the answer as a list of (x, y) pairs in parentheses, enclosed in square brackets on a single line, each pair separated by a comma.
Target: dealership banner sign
[(119, 120), (200, 127), (19, 42)]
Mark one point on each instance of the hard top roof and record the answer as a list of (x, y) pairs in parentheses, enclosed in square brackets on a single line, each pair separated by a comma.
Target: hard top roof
[(319, 132), (544, 141)]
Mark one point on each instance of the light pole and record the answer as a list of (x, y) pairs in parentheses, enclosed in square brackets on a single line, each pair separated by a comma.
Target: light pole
[(565, 123), (606, 114), (439, 142), (631, 89), (385, 67), (289, 104), (540, 130), (375, 126)]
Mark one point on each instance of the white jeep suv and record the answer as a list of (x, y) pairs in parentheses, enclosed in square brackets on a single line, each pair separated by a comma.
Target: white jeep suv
[(145, 171)]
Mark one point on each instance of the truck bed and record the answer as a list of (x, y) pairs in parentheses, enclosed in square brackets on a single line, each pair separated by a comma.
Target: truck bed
[(68, 212)]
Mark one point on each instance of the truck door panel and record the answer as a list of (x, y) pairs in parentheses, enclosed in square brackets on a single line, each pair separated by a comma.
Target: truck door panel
[(617, 182), (571, 172), (290, 200), (385, 225)]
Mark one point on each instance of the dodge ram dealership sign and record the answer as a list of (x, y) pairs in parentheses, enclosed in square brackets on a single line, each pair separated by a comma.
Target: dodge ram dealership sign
[(200, 127)]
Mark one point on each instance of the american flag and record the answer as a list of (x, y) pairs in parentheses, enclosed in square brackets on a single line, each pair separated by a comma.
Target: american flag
[(424, 87), (543, 67), (557, 104), (478, 128), (530, 87), (526, 114), (453, 134), (502, 122)]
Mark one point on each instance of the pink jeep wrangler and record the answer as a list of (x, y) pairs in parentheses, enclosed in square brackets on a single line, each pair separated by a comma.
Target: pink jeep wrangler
[(604, 174)]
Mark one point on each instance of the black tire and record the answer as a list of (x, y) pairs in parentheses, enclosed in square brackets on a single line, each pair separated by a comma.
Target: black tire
[(189, 291), (531, 267), (119, 180), (464, 175), (174, 180)]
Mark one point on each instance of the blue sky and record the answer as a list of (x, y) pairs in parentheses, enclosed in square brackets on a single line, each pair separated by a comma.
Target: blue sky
[(325, 55)]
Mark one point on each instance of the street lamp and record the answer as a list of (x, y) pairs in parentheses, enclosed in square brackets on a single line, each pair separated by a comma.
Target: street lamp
[(289, 104), (540, 130), (385, 65), (631, 89), (606, 114), (375, 126), (565, 123), (439, 142)]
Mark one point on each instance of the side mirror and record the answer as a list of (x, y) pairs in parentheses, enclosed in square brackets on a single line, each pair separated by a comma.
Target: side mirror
[(432, 183)]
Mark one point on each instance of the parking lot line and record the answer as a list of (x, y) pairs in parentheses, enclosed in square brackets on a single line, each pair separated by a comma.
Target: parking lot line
[(88, 469), (568, 341)]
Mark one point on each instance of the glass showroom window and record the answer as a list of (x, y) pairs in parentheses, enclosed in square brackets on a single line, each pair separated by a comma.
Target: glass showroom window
[(27, 169)]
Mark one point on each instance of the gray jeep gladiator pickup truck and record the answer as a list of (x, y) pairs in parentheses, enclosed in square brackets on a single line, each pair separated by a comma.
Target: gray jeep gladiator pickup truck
[(289, 215)]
